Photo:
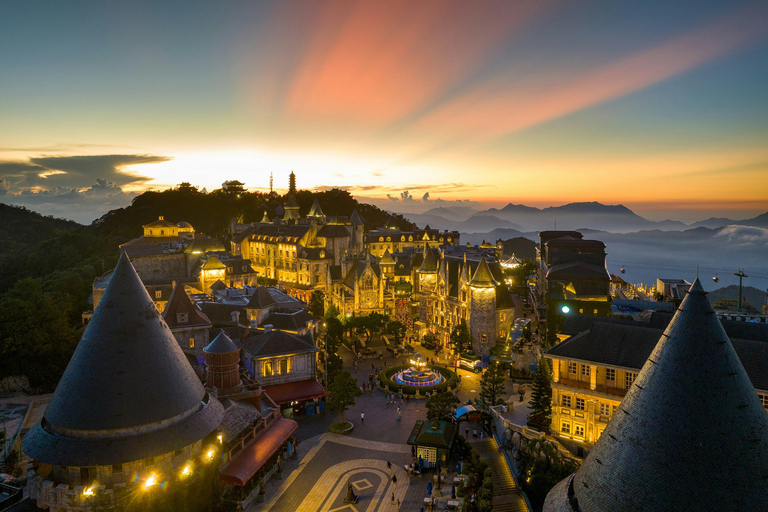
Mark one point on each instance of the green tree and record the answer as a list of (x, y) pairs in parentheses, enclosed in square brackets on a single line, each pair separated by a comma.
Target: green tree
[(317, 303), (441, 406), (541, 394), (492, 389), (522, 271), (460, 338), (342, 393), (368, 325), (396, 329), (332, 312), (333, 334)]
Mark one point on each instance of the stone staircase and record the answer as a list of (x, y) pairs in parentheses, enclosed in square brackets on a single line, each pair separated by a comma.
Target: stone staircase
[(506, 497)]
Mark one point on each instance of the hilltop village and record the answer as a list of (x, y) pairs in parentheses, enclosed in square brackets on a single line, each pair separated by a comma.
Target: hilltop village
[(307, 362)]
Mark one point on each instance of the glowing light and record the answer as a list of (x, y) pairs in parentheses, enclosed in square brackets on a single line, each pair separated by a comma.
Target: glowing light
[(210, 454), (565, 309), (220, 437), (186, 471), (151, 480), (89, 491)]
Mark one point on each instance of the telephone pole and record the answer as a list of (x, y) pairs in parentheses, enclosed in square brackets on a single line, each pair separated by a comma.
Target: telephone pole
[(741, 275)]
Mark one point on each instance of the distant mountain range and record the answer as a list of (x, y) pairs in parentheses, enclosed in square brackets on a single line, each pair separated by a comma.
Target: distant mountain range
[(572, 216)]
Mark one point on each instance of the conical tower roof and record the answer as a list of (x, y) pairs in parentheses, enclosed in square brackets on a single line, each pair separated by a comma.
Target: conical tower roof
[(265, 218), (691, 433), (128, 392), (355, 218), (429, 265), (221, 344), (315, 210), (483, 277)]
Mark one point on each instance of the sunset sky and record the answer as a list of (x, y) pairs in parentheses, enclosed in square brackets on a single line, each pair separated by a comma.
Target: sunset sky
[(658, 105)]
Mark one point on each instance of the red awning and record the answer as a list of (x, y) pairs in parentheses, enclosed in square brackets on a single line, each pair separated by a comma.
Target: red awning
[(253, 457), (299, 391)]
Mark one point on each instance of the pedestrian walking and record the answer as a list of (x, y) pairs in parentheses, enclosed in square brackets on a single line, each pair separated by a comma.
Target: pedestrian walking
[(482, 433), (389, 467), (393, 498), (398, 503), (394, 481), (362, 417)]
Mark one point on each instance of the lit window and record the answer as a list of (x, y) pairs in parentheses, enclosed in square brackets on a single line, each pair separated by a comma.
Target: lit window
[(580, 404), (605, 409), (191, 342), (764, 400), (566, 401), (629, 379), (610, 374), (268, 369), (565, 428), (578, 430), (284, 366), (158, 294), (572, 368), (585, 370)]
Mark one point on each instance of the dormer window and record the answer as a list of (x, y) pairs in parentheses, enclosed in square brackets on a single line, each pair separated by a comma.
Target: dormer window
[(182, 318)]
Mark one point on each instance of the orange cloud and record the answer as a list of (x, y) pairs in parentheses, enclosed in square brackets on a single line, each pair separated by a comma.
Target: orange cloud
[(491, 110), (380, 61)]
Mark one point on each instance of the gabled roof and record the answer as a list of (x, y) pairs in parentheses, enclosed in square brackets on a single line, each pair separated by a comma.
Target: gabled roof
[(482, 277), (386, 258), (260, 299), (128, 392), (213, 263), (221, 344), (181, 303), (274, 343), (333, 231), (289, 320), (690, 434), (218, 285)]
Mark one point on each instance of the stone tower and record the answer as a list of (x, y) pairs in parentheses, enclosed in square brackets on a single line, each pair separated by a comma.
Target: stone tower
[(427, 283), (482, 315), (291, 205), (222, 359), (128, 411), (691, 433), (356, 244)]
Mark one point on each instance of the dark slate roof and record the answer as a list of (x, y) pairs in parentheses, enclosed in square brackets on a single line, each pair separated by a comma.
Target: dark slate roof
[(218, 285), (152, 240), (275, 343), (577, 270), (433, 433), (355, 219), (333, 231), (387, 258), (690, 434), (220, 314), (261, 298), (245, 233), (576, 323), (180, 303), (315, 210), (128, 373), (289, 320), (335, 271), (221, 344), (482, 277), (429, 265)]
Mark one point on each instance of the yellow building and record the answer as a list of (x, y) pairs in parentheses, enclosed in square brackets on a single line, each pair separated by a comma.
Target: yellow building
[(594, 368)]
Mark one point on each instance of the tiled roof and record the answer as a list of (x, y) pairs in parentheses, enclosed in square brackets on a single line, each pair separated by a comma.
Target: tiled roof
[(691, 433), (577, 270), (275, 343), (180, 303), (482, 278), (289, 320), (221, 344), (333, 231), (261, 298)]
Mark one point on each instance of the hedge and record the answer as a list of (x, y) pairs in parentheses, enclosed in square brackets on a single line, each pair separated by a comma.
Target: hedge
[(450, 382)]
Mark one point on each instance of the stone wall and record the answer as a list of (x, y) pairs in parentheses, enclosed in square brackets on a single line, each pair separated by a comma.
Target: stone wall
[(200, 335), (483, 320), (161, 267)]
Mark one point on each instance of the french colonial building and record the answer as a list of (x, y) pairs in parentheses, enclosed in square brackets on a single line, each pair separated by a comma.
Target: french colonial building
[(690, 434)]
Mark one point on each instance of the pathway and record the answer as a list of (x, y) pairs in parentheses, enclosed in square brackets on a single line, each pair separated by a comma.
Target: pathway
[(506, 497)]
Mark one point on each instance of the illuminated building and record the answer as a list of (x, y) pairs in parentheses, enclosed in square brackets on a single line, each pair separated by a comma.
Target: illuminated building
[(128, 409), (690, 433)]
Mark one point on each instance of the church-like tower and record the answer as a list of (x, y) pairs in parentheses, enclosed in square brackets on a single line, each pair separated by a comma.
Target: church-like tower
[(691, 433), (128, 411), (291, 205), (482, 315)]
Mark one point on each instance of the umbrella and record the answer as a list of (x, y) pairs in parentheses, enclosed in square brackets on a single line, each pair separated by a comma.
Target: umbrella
[(429, 488), (453, 491)]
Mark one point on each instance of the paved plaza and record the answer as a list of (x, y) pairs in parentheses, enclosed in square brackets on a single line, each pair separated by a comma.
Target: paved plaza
[(316, 481)]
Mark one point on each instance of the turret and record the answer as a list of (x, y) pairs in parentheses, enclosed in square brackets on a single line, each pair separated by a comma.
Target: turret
[(482, 315)]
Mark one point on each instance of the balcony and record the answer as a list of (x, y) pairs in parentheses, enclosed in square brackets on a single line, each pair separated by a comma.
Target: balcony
[(606, 390)]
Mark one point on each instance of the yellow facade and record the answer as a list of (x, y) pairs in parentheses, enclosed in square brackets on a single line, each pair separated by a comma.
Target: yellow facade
[(585, 395)]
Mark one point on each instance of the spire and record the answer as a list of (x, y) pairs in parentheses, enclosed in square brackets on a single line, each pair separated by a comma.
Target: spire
[(483, 278), (292, 183), (429, 265), (270, 183), (128, 392), (387, 257), (315, 211), (355, 218), (691, 433), (265, 218)]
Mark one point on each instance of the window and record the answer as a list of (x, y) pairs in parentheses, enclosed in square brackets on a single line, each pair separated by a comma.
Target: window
[(87, 475), (268, 368), (182, 317), (605, 409), (629, 379), (764, 400), (284, 366), (572, 368), (566, 401), (158, 294), (191, 342), (578, 430), (580, 404), (610, 374), (565, 428), (585, 370)]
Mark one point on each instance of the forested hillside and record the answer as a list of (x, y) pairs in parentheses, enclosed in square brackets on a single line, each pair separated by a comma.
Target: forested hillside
[(47, 265)]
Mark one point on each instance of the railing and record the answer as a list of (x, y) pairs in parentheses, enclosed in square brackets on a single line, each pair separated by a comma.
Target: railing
[(579, 384)]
